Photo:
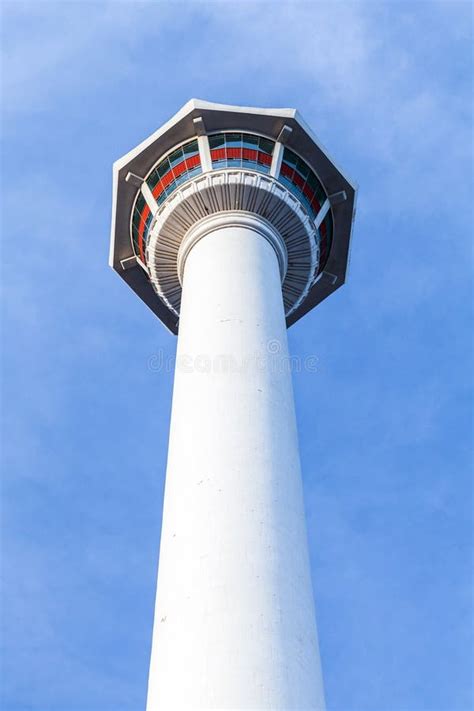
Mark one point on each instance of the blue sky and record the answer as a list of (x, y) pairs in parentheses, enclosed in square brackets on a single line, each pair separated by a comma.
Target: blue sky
[(384, 422)]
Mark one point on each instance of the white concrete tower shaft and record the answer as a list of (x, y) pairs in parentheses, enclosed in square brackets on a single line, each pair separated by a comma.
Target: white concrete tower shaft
[(234, 622), (231, 223)]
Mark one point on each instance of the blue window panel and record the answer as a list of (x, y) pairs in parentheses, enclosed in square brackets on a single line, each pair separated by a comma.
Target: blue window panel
[(194, 171)]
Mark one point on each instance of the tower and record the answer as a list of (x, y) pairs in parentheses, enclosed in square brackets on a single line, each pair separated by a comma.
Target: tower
[(231, 223)]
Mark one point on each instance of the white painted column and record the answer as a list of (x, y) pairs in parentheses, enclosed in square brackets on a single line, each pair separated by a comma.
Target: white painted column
[(234, 621)]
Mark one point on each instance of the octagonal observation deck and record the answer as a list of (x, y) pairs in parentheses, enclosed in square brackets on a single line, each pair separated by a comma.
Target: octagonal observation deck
[(212, 158)]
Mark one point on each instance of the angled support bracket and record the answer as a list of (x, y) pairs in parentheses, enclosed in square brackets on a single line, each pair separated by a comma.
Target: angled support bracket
[(331, 277), (337, 198), (129, 263), (134, 180)]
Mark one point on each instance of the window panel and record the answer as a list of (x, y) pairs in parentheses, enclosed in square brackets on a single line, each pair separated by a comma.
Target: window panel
[(170, 186), (249, 155), (179, 169), (218, 154), (216, 141), (140, 202), (266, 145), (193, 161), (180, 179), (157, 190), (241, 149), (190, 148), (298, 180), (234, 156), (163, 167), (302, 168), (193, 172), (313, 181), (136, 220), (308, 192), (176, 157), (290, 158), (231, 150), (175, 169), (296, 174), (152, 180), (250, 141), (233, 140)]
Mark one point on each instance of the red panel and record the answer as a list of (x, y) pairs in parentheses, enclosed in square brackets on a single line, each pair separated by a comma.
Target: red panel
[(249, 154), (234, 153), (298, 180), (218, 154), (315, 204), (141, 229), (193, 161), (287, 171), (167, 179), (308, 192), (264, 158), (157, 190), (179, 169)]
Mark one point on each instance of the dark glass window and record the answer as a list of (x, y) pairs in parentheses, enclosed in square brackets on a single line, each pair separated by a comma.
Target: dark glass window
[(265, 145), (302, 168), (216, 141), (153, 179), (290, 158), (140, 202), (163, 168), (190, 148), (250, 141), (176, 157)]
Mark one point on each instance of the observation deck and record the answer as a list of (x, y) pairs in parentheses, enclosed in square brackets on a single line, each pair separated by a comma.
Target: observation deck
[(213, 158)]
